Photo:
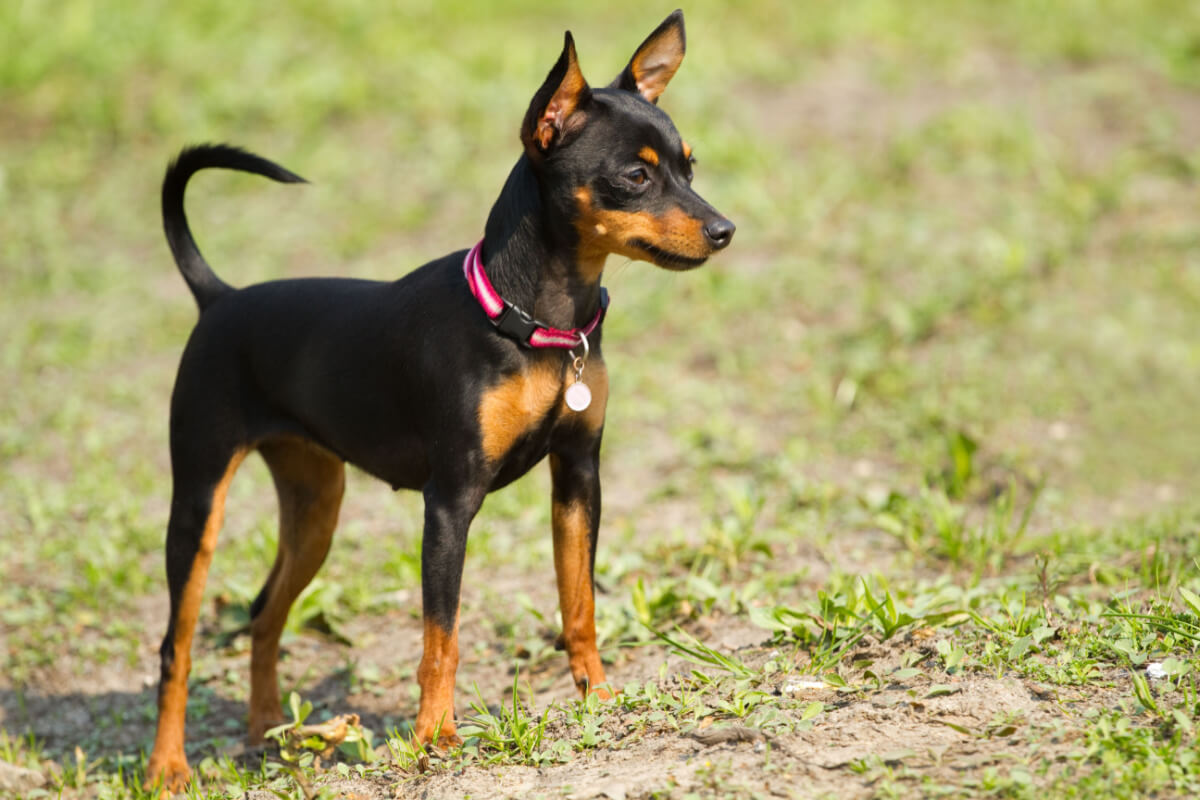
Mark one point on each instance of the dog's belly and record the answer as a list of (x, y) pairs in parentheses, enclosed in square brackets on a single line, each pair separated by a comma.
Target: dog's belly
[(376, 435), (401, 464)]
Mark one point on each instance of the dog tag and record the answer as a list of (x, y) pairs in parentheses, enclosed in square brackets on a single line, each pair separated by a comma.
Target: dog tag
[(578, 396)]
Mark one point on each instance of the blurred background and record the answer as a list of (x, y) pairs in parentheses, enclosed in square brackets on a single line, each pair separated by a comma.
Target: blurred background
[(968, 257)]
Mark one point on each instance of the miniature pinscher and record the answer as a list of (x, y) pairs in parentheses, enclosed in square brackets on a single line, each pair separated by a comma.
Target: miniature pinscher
[(454, 380)]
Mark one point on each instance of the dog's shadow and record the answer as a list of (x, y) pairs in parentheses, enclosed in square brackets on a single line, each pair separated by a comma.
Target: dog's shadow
[(115, 729)]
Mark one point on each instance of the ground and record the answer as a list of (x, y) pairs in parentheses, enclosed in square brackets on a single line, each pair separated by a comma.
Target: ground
[(900, 490)]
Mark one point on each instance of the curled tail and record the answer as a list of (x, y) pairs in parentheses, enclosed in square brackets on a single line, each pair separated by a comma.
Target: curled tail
[(204, 283)]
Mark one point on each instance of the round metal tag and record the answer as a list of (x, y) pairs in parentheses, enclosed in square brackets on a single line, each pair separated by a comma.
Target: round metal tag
[(578, 396)]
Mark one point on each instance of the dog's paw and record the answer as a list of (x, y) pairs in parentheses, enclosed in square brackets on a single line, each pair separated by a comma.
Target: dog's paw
[(446, 740), (604, 692), (171, 774), (600, 687)]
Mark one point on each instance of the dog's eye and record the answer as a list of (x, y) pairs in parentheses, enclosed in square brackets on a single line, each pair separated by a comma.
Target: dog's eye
[(638, 176)]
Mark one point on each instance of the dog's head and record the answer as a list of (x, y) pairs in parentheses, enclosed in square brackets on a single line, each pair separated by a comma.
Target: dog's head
[(613, 163)]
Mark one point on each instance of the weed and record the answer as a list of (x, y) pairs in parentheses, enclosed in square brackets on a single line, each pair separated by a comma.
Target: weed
[(513, 735), (936, 525), (697, 652), (300, 744), (840, 620), (1121, 759)]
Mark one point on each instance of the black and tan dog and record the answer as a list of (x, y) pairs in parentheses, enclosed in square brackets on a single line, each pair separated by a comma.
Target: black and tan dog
[(454, 380)]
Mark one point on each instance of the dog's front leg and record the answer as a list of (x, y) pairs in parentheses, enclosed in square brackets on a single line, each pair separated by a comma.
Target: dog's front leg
[(575, 473), (448, 515)]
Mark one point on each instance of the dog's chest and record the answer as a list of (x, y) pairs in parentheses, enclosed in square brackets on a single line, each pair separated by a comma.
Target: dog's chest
[(518, 406), (519, 414)]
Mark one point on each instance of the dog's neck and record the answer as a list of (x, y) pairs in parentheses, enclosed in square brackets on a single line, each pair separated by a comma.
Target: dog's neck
[(528, 264)]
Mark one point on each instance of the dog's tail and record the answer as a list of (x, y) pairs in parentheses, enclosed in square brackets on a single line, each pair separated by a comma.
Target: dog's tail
[(205, 285)]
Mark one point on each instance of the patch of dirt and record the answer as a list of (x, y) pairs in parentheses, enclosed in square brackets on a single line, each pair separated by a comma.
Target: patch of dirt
[(1086, 109), (970, 722)]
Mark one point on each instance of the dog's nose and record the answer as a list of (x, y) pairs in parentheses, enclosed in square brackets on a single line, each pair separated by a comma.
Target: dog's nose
[(719, 233)]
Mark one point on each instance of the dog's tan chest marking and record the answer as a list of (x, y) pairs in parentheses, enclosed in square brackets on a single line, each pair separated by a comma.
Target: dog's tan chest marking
[(516, 405), (519, 403)]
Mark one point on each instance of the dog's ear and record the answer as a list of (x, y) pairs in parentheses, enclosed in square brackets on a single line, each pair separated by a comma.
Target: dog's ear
[(557, 109), (655, 62)]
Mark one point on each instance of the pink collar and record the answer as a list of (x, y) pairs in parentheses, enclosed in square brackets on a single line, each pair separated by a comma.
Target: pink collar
[(512, 321)]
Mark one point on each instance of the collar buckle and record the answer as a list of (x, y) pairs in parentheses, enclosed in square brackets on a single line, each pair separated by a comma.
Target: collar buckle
[(515, 323)]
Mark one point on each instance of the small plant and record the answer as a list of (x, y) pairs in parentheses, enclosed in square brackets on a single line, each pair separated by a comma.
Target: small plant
[(842, 619), (956, 475), (301, 743), (936, 524), (511, 736), (407, 753), (695, 651), (21, 750), (1122, 759), (1182, 626)]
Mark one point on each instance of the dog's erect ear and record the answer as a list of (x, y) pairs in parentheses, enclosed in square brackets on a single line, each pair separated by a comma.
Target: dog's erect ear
[(655, 62), (556, 111)]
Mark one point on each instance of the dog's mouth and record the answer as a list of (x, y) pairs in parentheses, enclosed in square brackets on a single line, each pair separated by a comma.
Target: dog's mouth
[(665, 258)]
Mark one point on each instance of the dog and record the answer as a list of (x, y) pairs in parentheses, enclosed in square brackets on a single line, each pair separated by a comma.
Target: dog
[(454, 380)]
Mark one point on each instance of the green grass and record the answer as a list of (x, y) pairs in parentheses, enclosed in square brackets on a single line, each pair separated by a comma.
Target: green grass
[(929, 421)]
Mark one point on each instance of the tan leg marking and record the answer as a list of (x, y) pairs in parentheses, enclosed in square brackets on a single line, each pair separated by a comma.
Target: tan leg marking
[(168, 761), (573, 567), (309, 482), (517, 404), (439, 664)]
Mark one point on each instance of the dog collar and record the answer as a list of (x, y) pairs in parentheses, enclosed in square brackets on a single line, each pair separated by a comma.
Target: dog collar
[(515, 323)]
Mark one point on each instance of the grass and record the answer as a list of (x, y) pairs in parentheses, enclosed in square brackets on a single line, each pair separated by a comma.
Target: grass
[(925, 432)]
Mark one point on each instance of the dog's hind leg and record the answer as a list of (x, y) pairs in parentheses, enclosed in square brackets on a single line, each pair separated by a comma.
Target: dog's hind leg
[(197, 509), (309, 481)]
